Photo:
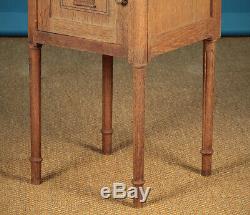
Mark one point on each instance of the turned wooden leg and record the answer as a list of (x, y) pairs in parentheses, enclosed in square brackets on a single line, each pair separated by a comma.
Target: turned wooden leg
[(107, 90), (138, 128), (35, 112), (208, 106)]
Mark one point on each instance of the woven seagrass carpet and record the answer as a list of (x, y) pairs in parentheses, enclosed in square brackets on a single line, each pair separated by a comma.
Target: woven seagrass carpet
[(74, 170)]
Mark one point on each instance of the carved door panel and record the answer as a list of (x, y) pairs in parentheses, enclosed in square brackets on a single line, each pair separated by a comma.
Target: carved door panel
[(90, 19)]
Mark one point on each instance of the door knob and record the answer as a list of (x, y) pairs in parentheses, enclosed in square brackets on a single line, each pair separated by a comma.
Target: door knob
[(122, 2)]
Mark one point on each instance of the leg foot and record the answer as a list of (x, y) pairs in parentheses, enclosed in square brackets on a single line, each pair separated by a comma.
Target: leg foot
[(138, 128), (107, 89), (208, 106), (137, 202), (35, 112)]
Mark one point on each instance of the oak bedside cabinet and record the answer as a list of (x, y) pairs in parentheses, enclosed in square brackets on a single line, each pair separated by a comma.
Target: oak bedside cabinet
[(137, 30)]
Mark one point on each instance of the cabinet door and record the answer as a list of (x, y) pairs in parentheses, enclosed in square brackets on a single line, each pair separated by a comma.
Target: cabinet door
[(89, 19)]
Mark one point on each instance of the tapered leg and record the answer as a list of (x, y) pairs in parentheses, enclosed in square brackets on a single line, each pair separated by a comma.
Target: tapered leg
[(208, 106), (35, 112), (107, 90), (138, 128)]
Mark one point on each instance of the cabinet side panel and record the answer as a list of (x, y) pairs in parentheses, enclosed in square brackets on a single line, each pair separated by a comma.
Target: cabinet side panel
[(176, 23), (166, 16)]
